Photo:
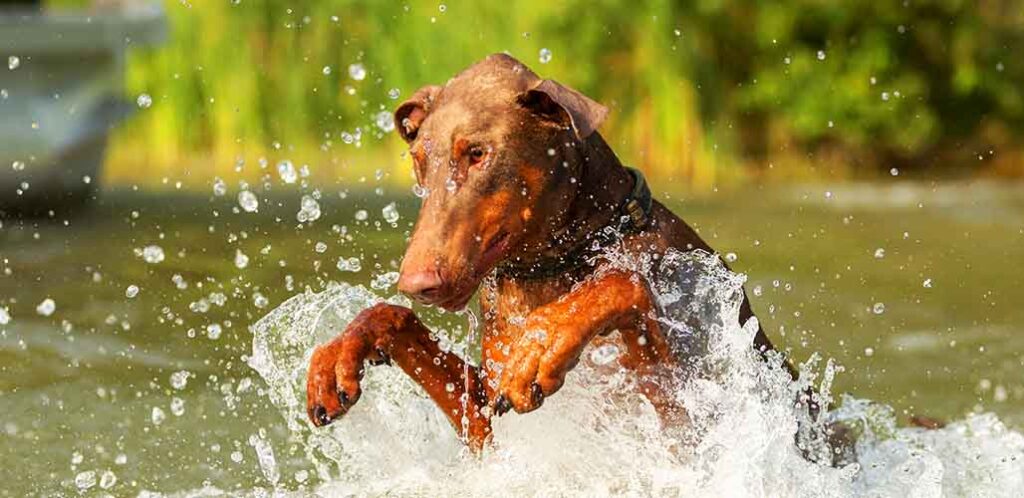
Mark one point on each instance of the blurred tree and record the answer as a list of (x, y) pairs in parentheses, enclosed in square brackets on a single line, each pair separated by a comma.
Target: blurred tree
[(701, 91)]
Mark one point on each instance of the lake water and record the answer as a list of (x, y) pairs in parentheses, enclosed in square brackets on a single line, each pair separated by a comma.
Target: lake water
[(127, 337)]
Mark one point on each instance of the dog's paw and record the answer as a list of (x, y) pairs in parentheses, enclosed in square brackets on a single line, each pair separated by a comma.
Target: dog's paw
[(332, 384), (529, 375), (335, 372), (335, 369)]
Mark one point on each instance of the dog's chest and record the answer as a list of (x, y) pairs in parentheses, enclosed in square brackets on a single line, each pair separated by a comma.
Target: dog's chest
[(505, 306)]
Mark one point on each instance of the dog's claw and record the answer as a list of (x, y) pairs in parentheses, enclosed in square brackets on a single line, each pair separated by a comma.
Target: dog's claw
[(320, 417), (502, 405), (537, 395), (382, 358)]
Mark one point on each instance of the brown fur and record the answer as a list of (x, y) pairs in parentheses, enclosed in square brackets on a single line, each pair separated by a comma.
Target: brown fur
[(514, 169)]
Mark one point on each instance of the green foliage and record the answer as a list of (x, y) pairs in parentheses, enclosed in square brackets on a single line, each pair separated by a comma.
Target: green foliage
[(697, 88)]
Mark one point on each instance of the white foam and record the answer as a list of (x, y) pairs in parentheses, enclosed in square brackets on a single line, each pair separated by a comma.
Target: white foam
[(597, 437)]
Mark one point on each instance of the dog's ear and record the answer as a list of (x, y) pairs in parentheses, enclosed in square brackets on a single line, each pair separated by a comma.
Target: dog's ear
[(557, 102), (410, 115)]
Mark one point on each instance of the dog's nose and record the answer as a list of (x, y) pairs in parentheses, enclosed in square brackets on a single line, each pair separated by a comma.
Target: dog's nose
[(421, 285)]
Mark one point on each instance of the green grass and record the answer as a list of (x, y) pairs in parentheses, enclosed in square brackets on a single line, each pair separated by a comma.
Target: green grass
[(701, 93)]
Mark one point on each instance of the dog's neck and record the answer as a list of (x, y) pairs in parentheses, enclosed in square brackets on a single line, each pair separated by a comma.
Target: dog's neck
[(601, 185)]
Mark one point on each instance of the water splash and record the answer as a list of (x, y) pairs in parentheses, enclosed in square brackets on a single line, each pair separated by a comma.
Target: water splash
[(598, 437)]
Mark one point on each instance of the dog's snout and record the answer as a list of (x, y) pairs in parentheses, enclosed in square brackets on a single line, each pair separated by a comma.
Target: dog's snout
[(421, 285)]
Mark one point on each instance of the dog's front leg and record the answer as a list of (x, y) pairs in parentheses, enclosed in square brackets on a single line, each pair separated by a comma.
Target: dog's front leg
[(554, 336), (388, 332)]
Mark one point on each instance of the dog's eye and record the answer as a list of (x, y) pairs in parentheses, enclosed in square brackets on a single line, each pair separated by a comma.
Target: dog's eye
[(476, 154)]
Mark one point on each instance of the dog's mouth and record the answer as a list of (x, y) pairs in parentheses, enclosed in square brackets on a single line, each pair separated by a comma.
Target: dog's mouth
[(493, 253)]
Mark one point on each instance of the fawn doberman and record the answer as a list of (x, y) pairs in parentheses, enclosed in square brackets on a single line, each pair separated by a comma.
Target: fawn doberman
[(520, 188)]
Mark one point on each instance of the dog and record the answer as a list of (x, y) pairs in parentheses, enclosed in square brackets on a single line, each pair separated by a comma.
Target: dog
[(520, 187)]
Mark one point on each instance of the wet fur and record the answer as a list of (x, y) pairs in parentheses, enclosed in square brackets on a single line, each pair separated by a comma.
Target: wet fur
[(543, 203)]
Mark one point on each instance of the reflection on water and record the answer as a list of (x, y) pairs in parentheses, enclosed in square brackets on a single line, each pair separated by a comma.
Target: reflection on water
[(128, 390)]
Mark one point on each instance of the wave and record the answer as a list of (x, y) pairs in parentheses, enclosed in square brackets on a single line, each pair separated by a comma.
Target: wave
[(746, 435)]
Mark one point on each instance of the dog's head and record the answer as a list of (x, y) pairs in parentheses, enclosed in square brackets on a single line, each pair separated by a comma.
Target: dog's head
[(496, 152)]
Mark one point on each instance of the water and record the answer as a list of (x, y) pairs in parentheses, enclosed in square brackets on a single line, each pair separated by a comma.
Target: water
[(80, 387), (597, 437)]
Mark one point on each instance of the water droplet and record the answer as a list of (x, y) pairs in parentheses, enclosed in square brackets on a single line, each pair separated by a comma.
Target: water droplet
[(384, 121), (894, 172), (144, 101), (604, 354), (213, 331), (157, 416), (265, 457), (241, 260), (869, 351), (361, 215), (47, 307), (219, 187), (309, 210), (85, 480), (545, 56), (5, 316), (287, 172), (420, 191), (394, 93), (13, 62), (177, 406), (450, 185), (383, 281), (885, 96), (731, 257), (349, 264), (259, 300), (821, 55), (879, 253), (248, 200), (108, 480), (179, 379), (326, 70), (357, 71), (878, 308), (927, 284), (131, 291), (152, 254), (390, 213), (320, 247), (18, 166)]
